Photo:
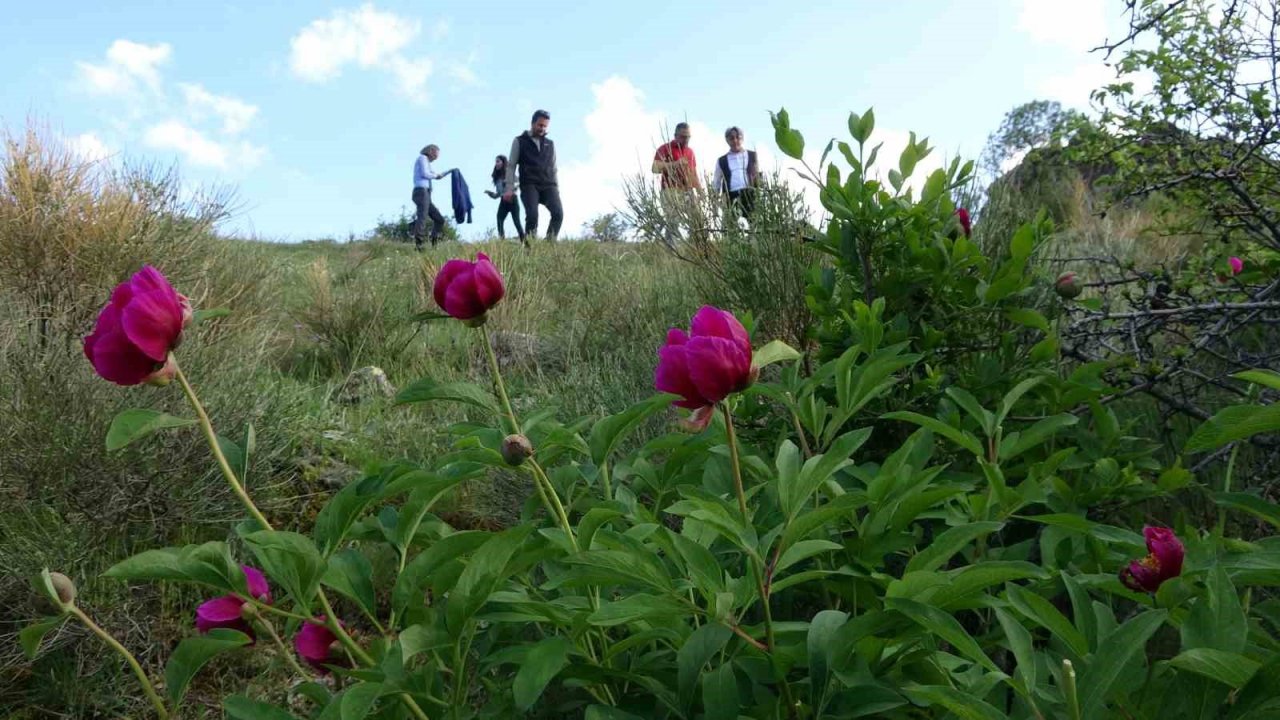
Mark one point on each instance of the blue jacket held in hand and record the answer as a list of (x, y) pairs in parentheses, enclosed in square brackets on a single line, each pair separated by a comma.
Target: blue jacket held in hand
[(461, 197)]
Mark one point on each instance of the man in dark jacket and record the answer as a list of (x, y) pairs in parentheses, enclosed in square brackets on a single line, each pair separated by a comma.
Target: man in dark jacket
[(738, 174), (535, 155)]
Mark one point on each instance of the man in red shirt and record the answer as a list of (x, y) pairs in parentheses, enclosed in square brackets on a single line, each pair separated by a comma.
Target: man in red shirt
[(676, 163)]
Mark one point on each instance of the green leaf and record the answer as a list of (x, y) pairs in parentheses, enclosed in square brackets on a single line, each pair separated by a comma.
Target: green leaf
[(1042, 612), (290, 559), (960, 703), (700, 565), (1023, 651), (1252, 504), (544, 661), (132, 425), (1023, 242), (428, 315), (1081, 609), (192, 654), (200, 316), (620, 567), (959, 437), (428, 390), (638, 606), (1228, 668), (239, 707), (943, 547), (485, 570), (795, 488), (1015, 444), (418, 639), (428, 567), (1217, 620), (341, 511), (720, 694), (608, 432), (818, 641), (208, 564), (235, 455), (1029, 318), (980, 415), (1113, 654), (803, 550), (356, 702), (1266, 378), (774, 352), (31, 635), (698, 649), (604, 712), (1259, 693), (350, 573), (944, 626), (1237, 422), (862, 129)]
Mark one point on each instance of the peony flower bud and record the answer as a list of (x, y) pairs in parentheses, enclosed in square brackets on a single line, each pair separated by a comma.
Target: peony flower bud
[(1068, 286), (516, 449), (136, 331), (467, 290), (965, 224), (317, 645), (1236, 265), (231, 611), (706, 365), (64, 587)]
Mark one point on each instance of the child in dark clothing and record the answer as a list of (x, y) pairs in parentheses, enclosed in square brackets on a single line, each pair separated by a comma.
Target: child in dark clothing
[(505, 207)]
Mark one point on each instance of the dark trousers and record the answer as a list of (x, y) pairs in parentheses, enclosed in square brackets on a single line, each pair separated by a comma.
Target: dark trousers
[(426, 209), (744, 201), (548, 195), (511, 208)]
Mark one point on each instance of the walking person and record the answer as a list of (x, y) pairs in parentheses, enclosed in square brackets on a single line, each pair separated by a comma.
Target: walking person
[(505, 206), (533, 154), (678, 166), (424, 176), (738, 174)]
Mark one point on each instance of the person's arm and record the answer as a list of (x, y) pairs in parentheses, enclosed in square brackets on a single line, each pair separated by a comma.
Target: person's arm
[(717, 179), (555, 176), (512, 158)]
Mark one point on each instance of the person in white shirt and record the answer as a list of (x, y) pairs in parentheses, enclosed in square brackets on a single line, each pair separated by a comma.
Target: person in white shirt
[(737, 173), (423, 178)]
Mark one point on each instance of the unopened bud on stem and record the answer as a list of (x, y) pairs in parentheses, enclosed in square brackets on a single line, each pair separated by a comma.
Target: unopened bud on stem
[(516, 449), (63, 586)]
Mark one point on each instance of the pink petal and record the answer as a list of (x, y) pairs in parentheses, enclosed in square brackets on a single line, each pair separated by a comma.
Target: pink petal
[(1167, 550), (118, 360), (714, 322), (489, 286), (460, 299), (219, 612), (312, 642), (149, 279), (153, 321), (672, 376), (718, 367), (1141, 576), (676, 336), (258, 586), (445, 277), (699, 420)]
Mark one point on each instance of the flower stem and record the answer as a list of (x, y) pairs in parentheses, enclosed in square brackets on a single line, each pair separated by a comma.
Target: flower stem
[(330, 618), (756, 562), (557, 508), (735, 461), (147, 687), (212, 438), (284, 649), (497, 380)]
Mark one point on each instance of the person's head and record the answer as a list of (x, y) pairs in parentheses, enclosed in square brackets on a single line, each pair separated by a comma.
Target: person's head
[(538, 125), (683, 134), (499, 167), (432, 152), (733, 136)]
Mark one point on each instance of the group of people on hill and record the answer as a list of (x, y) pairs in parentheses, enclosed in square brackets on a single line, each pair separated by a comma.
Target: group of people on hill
[(529, 170)]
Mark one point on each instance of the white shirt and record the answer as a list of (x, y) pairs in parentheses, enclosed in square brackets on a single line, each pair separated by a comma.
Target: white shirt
[(737, 172), (423, 173)]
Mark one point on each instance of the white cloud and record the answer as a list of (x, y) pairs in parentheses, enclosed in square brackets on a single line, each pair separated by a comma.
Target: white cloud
[(199, 149), (1079, 25), (235, 114), (89, 147), (367, 38), (127, 64)]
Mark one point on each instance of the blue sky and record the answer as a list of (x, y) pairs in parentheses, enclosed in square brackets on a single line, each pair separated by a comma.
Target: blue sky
[(314, 112)]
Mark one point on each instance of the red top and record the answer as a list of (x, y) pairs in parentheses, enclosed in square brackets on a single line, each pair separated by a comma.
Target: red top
[(682, 179)]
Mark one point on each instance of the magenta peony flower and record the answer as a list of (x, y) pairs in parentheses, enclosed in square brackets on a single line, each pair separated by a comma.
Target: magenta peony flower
[(1164, 561), (135, 332), (226, 611), (706, 365), (466, 290), (315, 644), (1236, 265), (965, 224)]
